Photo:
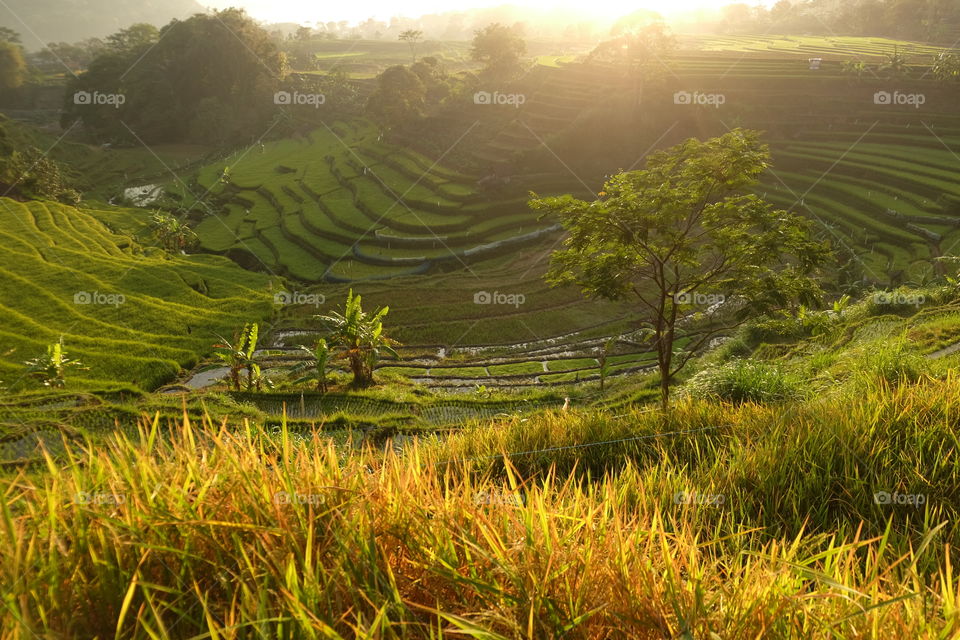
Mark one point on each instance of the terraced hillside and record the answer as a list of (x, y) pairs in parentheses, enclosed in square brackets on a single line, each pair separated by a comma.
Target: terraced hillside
[(890, 198), (458, 331), (338, 205), (342, 205), (135, 316), (843, 47), (879, 178), (364, 59)]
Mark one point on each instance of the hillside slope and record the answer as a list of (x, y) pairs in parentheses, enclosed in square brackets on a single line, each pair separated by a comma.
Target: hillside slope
[(133, 315)]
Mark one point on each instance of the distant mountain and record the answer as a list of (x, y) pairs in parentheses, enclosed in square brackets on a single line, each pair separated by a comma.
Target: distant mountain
[(43, 21)]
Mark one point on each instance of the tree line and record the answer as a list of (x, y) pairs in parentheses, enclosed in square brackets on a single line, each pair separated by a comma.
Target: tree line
[(222, 79), (923, 20)]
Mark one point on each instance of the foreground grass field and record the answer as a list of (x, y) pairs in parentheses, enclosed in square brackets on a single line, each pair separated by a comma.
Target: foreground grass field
[(708, 524)]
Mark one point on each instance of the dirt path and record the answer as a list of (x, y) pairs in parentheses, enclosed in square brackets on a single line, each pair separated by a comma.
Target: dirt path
[(946, 351)]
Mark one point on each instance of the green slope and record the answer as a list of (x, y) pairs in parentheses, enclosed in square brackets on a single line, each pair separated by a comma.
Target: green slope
[(133, 315)]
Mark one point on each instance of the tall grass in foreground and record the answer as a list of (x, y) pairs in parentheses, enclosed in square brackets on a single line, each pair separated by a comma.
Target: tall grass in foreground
[(217, 531)]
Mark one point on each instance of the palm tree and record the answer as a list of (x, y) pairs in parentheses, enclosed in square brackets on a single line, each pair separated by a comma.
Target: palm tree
[(316, 367), (51, 367), (359, 338)]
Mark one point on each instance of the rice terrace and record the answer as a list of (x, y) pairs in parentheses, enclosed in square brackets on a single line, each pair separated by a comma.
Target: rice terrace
[(620, 320)]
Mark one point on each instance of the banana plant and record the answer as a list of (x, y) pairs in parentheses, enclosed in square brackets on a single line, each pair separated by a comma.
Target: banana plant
[(314, 369), (358, 338), (51, 367), (172, 233), (241, 356), (895, 65)]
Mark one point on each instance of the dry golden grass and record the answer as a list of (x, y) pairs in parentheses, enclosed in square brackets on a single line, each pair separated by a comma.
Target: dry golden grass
[(212, 531)]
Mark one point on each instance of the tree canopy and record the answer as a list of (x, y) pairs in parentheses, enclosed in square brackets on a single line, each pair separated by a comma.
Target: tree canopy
[(13, 69), (210, 78), (687, 241), (400, 97), (500, 49), (926, 20), (412, 37)]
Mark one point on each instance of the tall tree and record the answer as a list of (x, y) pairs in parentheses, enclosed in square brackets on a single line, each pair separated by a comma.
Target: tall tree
[(500, 49), (9, 35), (412, 37), (133, 38), (687, 241), (210, 78), (399, 97), (13, 69), (438, 85), (640, 47)]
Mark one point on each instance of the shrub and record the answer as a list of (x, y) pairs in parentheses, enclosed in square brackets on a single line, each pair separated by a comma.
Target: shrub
[(893, 364), (740, 381)]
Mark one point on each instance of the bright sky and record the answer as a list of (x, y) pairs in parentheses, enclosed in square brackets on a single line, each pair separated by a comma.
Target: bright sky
[(310, 11)]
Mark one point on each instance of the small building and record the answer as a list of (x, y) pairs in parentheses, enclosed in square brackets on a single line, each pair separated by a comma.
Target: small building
[(815, 63)]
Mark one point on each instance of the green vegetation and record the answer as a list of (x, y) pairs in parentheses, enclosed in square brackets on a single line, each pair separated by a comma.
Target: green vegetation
[(241, 356), (813, 45), (12, 67), (209, 60), (51, 367), (135, 518), (172, 233), (357, 336), (931, 20), (742, 381), (680, 238), (499, 48), (315, 367), (506, 471), (340, 206), (26, 171)]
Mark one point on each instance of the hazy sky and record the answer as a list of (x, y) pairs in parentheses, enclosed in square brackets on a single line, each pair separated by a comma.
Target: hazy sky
[(308, 11)]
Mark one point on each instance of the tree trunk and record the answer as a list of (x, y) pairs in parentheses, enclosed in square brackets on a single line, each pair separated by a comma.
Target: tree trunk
[(360, 376), (664, 390)]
